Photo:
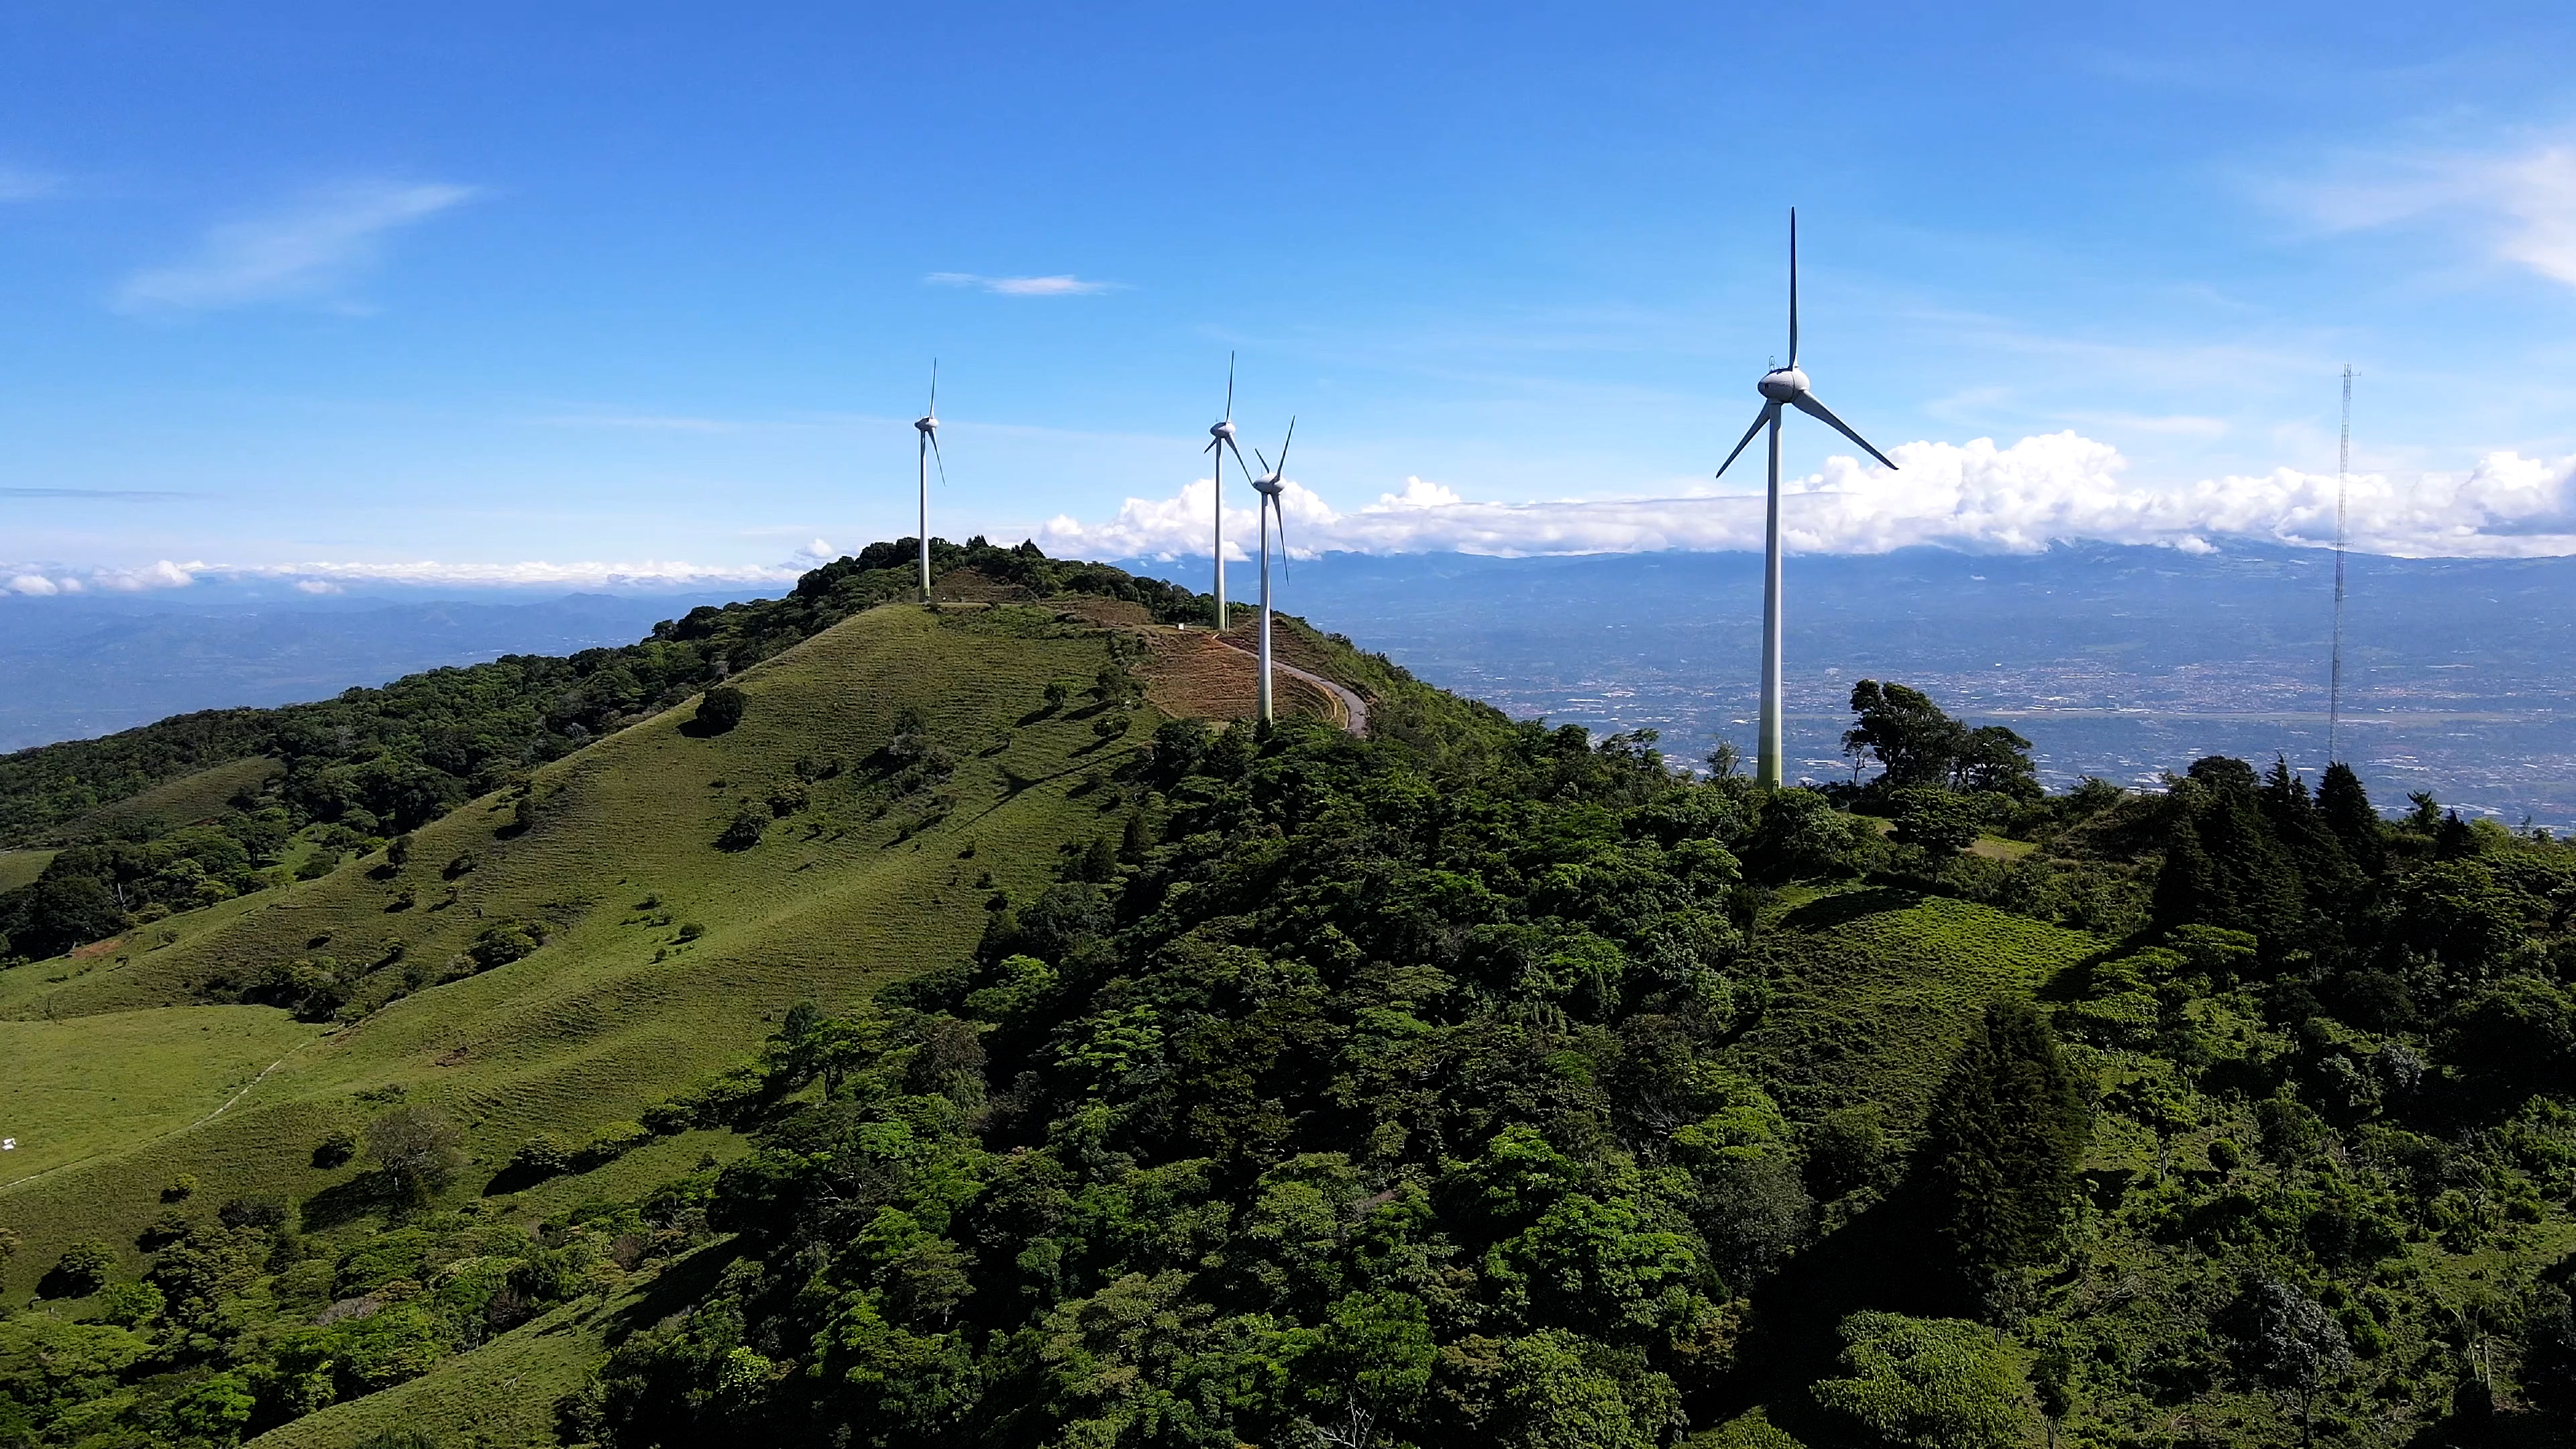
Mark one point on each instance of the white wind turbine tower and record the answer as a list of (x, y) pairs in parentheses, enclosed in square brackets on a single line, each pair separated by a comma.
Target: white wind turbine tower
[(1270, 486), (928, 426), (1781, 387), (1221, 442)]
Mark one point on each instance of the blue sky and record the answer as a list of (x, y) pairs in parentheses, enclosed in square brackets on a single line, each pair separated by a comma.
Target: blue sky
[(476, 294)]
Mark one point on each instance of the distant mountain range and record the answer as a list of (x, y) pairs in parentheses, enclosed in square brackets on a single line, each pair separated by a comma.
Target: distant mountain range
[(2116, 661)]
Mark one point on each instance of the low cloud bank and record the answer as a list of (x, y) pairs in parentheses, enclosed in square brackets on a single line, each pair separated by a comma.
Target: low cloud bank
[(1976, 497), (48, 581)]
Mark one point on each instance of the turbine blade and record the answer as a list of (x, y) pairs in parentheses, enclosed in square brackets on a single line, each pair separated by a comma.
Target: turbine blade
[(1237, 449), (1280, 506), (1229, 387), (1265, 463), (1806, 403), (1769, 411), (1283, 447), (943, 462), (1793, 289), (1211, 448), (934, 387)]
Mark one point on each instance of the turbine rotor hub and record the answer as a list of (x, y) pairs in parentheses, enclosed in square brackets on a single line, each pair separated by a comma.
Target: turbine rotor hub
[(1782, 384), (1270, 485), (1223, 430), (926, 425)]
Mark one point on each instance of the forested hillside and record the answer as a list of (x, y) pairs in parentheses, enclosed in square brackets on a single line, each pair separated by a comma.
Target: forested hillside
[(1472, 1083)]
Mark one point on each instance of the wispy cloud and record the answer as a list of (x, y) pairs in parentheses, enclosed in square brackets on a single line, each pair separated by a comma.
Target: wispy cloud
[(123, 493), (20, 184), (1976, 497), (310, 249), (1055, 286), (2523, 201), (640, 422)]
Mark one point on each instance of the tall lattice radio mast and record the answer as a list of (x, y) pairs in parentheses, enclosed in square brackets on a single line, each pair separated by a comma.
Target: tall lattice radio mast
[(2343, 472)]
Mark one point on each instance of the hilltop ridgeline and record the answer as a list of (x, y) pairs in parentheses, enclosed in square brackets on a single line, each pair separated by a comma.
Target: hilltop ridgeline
[(369, 764), (388, 759)]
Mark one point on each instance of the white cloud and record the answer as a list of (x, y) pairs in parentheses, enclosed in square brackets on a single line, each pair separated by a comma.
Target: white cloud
[(312, 248), (650, 573), (2526, 200), (1975, 497), (1055, 286), (161, 575), (332, 578)]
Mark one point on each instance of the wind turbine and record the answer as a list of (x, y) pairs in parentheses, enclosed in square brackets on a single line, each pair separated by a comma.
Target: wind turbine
[(1269, 486), (1221, 442), (1781, 387), (928, 426)]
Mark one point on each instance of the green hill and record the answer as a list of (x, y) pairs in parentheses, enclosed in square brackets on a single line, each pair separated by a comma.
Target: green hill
[(664, 958), (937, 1027)]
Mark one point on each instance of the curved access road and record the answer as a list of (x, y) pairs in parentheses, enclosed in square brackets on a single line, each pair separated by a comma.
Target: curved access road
[(1354, 708)]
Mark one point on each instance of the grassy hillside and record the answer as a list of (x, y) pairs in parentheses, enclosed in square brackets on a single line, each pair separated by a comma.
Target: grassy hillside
[(97, 1085), (664, 957), (1873, 990), (185, 800), (21, 867)]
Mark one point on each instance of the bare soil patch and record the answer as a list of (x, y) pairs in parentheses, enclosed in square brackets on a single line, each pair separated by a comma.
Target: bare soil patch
[(1189, 674)]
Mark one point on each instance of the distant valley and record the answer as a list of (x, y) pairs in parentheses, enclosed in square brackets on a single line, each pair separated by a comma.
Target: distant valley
[(2460, 674), (2118, 662)]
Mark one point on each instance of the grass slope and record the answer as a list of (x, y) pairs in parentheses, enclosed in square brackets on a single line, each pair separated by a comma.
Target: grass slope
[(77, 1089), (614, 1012), (1874, 990), (21, 867), (183, 801)]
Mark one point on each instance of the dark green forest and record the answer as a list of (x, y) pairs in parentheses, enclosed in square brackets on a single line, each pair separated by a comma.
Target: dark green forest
[(1483, 1083), (1343, 1102)]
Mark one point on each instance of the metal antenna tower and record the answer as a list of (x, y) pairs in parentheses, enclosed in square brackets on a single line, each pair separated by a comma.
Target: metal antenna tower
[(2343, 471)]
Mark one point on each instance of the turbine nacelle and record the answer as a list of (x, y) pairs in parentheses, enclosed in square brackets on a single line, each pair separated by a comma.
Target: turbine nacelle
[(1783, 384), (1270, 486), (1222, 432), (926, 425)]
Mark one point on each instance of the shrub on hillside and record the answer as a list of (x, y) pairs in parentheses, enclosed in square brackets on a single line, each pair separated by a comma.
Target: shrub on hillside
[(80, 1271), (541, 1156), (416, 1153), (720, 709), (1801, 836), (335, 1149), (1936, 821), (611, 1142), (1939, 1383), (503, 942), (744, 831)]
